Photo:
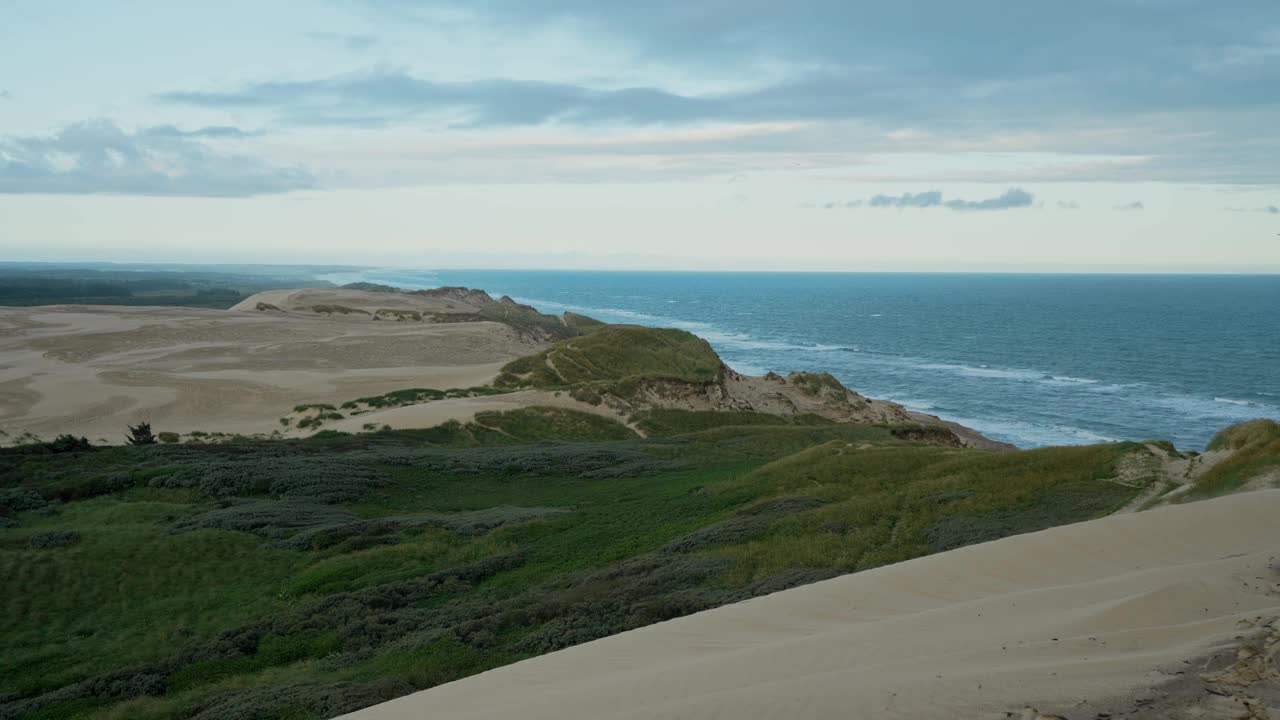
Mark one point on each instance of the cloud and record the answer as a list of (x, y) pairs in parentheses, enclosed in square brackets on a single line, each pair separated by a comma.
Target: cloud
[(933, 198), (386, 96), (1015, 198), (211, 132), (99, 157), (1195, 101), (4, 95), (1130, 206), (1271, 209), (355, 42), (1059, 55), (1010, 199), (1068, 205)]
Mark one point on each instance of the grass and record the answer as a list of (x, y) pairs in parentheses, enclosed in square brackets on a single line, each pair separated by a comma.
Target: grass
[(306, 578), (612, 353), (415, 396), (1256, 446), (669, 423)]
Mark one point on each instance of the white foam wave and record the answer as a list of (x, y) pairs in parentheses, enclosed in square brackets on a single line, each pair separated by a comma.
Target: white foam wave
[(919, 405), (1031, 434), (1072, 380), (984, 371), (1218, 408)]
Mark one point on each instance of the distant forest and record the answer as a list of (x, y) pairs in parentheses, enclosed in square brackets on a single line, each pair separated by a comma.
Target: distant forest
[(37, 284)]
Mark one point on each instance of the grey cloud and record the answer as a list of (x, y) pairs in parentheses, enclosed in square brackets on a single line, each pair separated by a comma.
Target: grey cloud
[(1068, 205), (1130, 206), (1015, 198), (99, 157), (4, 95), (388, 96), (933, 198), (1107, 55), (1010, 199), (973, 70)]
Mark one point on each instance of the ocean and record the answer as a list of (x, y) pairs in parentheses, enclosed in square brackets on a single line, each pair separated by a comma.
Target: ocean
[(1029, 359)]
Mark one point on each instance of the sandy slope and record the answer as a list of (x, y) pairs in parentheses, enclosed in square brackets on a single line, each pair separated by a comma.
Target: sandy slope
[(465, 409), (91, 369), (1114, 615)]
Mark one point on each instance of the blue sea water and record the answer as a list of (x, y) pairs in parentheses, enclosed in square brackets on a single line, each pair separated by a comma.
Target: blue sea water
[(1028, 359)]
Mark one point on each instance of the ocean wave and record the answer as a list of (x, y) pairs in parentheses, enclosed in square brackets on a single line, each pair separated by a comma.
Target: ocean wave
[(1031, 434), (1073, 380), (984, 371), (1218, 408), (918, 405)]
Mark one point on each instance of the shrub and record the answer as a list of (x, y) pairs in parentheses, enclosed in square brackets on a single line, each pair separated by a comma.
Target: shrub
[(55, 539), (19, 499), (267, 518), (140, 434), (69, 443), (326, 480), (169, 438)]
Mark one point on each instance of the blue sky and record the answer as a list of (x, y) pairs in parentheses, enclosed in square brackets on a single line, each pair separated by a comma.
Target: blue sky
[(814, 134)]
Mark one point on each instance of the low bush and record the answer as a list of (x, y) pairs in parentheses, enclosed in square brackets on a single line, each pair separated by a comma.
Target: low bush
[(55, 539)]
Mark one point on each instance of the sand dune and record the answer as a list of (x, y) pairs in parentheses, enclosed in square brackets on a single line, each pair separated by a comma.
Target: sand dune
[(1127, 614), (90, 370)]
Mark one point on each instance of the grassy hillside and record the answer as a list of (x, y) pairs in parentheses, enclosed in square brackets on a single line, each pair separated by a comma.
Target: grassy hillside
[(612, 353), (302, 579), (1255, 447)]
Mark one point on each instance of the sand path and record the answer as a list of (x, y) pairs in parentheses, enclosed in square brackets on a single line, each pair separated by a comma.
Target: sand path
[(1072, 620)]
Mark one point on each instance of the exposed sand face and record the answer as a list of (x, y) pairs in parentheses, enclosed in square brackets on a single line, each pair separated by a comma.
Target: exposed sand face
[(1115, 615), (90, 370)]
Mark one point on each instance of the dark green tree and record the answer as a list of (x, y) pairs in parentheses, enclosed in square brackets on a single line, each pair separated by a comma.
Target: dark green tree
[(140, 434)]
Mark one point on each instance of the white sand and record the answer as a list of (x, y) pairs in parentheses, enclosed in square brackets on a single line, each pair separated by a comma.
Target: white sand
[(1067, 619), (90, 370)]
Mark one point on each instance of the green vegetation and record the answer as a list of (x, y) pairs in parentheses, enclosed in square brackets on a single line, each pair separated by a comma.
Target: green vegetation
[(371, 287), (325, 309), (106, 284), (411, 396), (669, 423), (306, 578), (1255, 447), (817, 383), (399, 315), (614, 354)]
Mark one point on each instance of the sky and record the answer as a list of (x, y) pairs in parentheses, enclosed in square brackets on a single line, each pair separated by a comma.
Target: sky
[(967, 135)]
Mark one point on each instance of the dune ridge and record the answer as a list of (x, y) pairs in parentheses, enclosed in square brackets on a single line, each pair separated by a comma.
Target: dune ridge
[(1167, 613)]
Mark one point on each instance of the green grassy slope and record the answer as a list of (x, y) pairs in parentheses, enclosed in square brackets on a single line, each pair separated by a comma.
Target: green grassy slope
[(612, 353), (302, 579), (1256, 451)]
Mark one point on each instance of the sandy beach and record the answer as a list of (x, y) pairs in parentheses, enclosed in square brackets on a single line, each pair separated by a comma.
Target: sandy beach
[(1168, 613)]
